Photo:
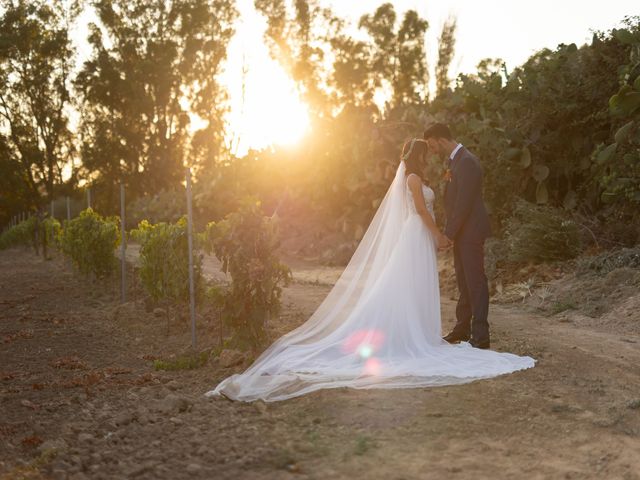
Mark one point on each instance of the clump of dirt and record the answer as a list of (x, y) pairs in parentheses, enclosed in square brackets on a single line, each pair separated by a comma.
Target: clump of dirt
[(595, 295)]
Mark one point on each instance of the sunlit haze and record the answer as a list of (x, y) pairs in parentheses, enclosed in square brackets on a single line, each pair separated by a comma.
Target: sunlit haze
[(265, 108)]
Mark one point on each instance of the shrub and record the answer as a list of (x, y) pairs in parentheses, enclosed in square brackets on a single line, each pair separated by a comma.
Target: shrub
[(530, 148), (616, 160), (24, 233), (609, 261), (164, 260), (90, 241), (46, 232), (541, 233), (19, 234), (245, 242), (51, 230)]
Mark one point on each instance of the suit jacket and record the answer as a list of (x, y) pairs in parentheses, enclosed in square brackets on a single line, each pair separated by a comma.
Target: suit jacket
[(467, 218)]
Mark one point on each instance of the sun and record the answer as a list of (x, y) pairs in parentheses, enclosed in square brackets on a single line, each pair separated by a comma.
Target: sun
[(271, 112), (265, 107)]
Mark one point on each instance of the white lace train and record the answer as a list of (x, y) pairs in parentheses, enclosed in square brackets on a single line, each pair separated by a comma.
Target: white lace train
[(380, 325)]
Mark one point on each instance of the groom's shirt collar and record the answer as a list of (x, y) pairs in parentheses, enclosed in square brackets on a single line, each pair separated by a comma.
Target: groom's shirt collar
[(455, 150)]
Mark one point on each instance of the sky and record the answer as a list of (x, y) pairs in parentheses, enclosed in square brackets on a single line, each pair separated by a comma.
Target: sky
[(272, 113), (511, 30)]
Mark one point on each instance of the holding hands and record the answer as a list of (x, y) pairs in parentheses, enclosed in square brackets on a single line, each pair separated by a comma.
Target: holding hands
[(444, 242)]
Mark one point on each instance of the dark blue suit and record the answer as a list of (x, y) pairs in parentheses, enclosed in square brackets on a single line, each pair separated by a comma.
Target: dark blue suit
[(468, 226)]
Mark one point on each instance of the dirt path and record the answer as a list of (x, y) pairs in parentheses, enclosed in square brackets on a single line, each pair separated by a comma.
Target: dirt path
[(80, 399)]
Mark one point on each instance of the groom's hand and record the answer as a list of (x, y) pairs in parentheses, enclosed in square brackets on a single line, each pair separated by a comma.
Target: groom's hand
[(443, 242), (448, 244)]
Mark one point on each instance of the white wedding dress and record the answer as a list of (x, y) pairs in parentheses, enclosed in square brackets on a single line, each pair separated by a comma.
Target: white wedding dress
[(379, 326)]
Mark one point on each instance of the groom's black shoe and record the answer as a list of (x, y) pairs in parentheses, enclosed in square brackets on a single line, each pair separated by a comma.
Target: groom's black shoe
[(484, 344), (456, 337)]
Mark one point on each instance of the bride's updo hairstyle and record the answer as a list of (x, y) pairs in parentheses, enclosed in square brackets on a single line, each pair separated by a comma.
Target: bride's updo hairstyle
[(413, 154)]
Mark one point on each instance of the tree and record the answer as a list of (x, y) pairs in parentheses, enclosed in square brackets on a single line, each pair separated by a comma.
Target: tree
[(446, 51), (351, 79), (398, 53), (159, 63), (36, 59), (297, 42)]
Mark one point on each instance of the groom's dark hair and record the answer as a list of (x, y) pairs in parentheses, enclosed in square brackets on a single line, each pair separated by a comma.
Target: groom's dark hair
[(438, 130)]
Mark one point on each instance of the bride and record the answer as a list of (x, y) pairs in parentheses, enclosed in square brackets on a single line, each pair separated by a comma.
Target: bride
[(379, 326)]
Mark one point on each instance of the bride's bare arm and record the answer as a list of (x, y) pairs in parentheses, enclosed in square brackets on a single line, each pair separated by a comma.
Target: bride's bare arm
[(415, 185)]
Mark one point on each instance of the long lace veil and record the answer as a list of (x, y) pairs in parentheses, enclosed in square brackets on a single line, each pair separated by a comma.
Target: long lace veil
[(364, 267)]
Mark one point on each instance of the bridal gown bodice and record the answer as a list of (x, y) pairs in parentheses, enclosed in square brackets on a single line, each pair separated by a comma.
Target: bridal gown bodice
[(429, 198), (381, 332)]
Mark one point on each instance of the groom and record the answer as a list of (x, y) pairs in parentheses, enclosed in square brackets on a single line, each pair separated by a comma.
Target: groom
[(467, 228)]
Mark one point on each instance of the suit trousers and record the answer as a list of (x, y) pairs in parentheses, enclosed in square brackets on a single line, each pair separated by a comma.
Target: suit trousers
[(472, 309)]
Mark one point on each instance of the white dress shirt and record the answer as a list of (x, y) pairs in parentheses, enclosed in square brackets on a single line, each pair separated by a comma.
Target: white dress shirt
[(455, 150)]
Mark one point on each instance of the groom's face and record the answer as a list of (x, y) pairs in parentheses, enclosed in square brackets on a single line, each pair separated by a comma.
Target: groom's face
[(436, 146)]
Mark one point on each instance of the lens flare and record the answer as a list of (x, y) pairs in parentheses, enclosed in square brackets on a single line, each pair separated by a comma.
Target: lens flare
[(365, 351), (372, 367), (365, 343), (372, 339)]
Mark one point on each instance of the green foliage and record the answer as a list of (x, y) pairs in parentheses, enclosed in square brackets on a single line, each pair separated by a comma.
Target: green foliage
[(606, 262), (617, 164), (24, 233), (446, 50), (51, 230), (152, 64), (295, 36), (562, 129), (363, 444), (90, 241), (302, 36), (398, 56), (164, 260), (529, 147), (36, 62), (541, 233), (183, 362), (49, 235), (19, 234), (542, 131), (245, 242)]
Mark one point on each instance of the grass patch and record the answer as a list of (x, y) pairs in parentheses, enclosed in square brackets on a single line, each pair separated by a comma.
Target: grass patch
[(318, 447), (185, 362), (363, 445), (559, 307)]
